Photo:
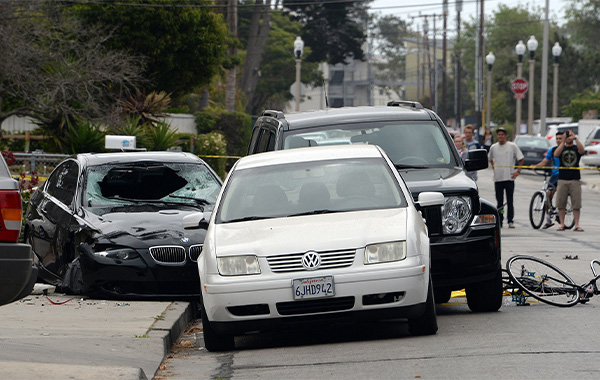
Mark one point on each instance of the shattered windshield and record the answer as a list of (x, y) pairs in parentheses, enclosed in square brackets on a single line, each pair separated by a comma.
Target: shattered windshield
[(150, 183)]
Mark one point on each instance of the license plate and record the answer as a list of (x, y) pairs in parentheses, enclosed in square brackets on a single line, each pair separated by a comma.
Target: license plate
[(532, 154), (314, 287)]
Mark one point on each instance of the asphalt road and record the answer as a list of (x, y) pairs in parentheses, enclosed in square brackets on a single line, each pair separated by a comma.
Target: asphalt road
[(535, 341)]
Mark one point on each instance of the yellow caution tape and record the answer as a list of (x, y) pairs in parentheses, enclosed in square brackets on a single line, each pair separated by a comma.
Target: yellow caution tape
[(211, 156), (545, 167)]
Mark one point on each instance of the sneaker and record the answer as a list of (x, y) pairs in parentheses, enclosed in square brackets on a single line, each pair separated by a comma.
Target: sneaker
[(511, 225), (548, 225)]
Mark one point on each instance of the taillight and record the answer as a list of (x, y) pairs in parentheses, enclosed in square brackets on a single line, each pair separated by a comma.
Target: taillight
[(594, 143), (11, 213)]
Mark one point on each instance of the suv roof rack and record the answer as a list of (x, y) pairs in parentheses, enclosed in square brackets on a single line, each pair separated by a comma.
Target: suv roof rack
[(398, 103), (273, 113)]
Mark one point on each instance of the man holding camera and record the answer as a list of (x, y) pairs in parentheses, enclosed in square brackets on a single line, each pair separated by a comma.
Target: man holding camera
[(569, 151)]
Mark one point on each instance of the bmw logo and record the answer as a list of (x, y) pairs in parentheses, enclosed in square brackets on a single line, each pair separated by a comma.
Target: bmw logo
[(184, 239)]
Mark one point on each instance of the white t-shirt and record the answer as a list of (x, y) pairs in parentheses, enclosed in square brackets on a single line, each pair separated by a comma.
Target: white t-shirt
[(505, 157)]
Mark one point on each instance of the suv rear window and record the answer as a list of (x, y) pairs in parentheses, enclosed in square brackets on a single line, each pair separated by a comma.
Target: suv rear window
[(406, 143)]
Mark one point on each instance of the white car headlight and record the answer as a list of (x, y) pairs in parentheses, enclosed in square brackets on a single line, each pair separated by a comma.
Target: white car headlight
[(456, 212), (238, 265), (385, 252)]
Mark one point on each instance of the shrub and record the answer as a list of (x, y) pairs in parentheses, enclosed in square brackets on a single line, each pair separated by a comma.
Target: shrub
[(213, 144)]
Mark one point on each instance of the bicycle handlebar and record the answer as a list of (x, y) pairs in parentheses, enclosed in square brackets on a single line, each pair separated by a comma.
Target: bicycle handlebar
[(594, 269)]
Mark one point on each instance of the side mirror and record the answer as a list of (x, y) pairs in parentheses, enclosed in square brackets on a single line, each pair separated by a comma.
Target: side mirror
[(477, 159), (430, 199), (196, 220)]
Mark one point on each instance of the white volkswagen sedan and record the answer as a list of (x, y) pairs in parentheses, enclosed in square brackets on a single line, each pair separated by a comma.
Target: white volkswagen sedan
[(314, 234)]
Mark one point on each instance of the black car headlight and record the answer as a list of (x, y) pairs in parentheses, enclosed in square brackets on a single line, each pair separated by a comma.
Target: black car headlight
[(456, 213), (119, 253)]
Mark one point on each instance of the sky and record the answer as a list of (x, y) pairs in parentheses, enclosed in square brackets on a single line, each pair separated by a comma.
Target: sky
[(409, 8)]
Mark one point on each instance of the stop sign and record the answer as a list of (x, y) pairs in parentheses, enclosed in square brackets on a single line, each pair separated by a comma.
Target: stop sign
[(519, 86)]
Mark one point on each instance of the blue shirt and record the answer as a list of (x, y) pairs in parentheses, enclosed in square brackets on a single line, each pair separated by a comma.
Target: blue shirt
[(555, 161)]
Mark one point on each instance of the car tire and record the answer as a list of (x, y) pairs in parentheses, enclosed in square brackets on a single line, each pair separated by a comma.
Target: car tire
[(426, 324), (485, 296), (213, 341), (442, 295)]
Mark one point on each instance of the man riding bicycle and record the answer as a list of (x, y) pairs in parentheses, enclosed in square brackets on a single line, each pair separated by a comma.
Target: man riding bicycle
[(550, 159)]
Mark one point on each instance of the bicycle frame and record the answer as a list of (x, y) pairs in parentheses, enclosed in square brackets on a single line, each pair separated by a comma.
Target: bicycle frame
[(538, 283)]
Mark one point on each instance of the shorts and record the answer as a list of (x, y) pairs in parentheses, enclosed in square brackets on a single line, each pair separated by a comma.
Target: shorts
[(568, 188), (553, 181)]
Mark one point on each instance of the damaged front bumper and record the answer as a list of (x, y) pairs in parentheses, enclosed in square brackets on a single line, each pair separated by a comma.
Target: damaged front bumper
[(137, 277)]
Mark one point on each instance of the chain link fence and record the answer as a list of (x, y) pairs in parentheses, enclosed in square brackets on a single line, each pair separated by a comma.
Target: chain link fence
[(39, 162)]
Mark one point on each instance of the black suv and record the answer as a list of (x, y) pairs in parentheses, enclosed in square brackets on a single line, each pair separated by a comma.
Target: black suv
[(464, 233)]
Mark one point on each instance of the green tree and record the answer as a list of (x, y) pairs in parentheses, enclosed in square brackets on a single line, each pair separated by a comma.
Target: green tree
[(389, 32), (334, 29), (56, 70), (278, 70), (183, 44), (584, 22)]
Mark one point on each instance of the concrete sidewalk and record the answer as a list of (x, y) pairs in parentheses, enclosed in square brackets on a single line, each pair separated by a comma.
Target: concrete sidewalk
[(60, 337)]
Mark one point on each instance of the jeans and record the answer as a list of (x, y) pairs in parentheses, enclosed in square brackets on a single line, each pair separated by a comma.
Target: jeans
[(509, 187)]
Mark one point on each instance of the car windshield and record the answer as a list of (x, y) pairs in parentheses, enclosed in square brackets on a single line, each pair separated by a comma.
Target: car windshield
[(408, 144), (306, 188), (113, 185), (532, 142)]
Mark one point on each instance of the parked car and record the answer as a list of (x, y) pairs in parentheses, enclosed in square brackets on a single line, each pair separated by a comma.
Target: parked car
[(17, 274), (534, 148), (323, 234), (591, 156), (110, 224), (593, 138), (464, 233), (552, 129)]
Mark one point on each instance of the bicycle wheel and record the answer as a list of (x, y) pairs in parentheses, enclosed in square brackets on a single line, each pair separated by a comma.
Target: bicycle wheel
[(569, 219), (542, 281), (537, 210)]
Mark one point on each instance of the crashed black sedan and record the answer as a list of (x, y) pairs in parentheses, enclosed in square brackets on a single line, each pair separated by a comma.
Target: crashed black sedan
[(110, 224)]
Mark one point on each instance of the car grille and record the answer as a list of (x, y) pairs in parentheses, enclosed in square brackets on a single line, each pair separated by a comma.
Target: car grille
[(292, 262), (170, 254), (315, 306), (195, 251)]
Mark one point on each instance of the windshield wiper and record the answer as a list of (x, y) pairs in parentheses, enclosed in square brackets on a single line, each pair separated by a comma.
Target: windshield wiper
[(401, 166), (197, 200), (155, 202), (314, 212), (246, 218)]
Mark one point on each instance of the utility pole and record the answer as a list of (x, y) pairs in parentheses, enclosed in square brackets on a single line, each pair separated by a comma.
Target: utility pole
[(435, 70), (479, 77), (444, 47), (426, 51), (418, 66), (457, 89)]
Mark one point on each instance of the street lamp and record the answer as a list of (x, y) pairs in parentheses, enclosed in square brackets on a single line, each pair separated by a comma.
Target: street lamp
[(556, 50), (532, 44), (520, 50), (489, 59), (298, 51)]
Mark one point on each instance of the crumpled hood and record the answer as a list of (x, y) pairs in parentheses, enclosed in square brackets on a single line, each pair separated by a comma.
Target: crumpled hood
[(312, 232), (137, 229), (444, 180)]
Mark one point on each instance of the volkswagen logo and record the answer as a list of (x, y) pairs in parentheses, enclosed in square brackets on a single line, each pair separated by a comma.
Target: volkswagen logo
[(311, 260)]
